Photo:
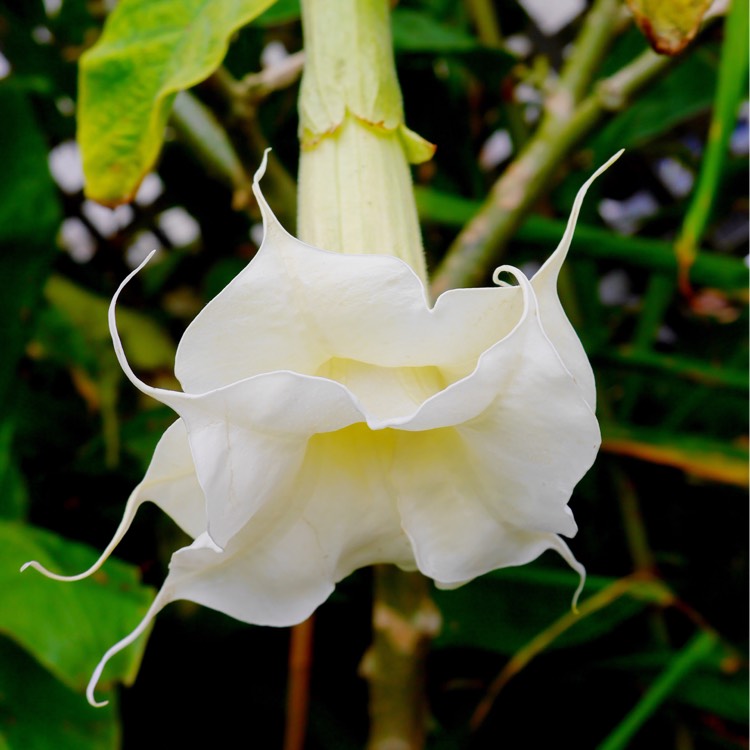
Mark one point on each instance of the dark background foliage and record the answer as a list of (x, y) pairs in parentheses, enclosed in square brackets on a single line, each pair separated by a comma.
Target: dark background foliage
[(663, 514)]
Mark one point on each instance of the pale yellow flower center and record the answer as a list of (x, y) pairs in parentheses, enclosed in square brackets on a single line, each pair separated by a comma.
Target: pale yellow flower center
[(385, 392)]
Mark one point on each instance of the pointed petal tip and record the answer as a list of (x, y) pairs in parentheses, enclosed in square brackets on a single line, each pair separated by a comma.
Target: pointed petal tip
[(578, 591), (54, 576), (607, 164), (262, 168), (95, 703), (564, 551), (162, 598), (90, 697)]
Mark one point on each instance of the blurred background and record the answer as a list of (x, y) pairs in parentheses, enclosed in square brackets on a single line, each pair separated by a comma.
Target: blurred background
[(657, 657)]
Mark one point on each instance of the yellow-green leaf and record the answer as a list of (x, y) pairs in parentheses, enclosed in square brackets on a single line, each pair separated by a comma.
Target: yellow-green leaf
[(669, 25), (148, 52)]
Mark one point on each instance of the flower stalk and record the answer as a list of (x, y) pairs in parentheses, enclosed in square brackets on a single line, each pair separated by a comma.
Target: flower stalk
[(355, 191)]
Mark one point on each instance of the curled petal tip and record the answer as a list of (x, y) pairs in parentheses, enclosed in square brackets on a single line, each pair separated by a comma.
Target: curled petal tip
[(48, 573), (161, 599), (66, 579)]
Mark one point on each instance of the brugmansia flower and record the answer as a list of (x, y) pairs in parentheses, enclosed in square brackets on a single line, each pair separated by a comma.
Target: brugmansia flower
[(331, 418)]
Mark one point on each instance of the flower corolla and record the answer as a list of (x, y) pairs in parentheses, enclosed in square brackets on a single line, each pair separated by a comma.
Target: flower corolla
[(332, 418)]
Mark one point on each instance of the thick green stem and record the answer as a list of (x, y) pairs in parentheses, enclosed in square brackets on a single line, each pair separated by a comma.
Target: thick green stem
[(404, 622)]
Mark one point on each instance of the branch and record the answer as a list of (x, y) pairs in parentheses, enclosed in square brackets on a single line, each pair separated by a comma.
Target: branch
[(481, 243)]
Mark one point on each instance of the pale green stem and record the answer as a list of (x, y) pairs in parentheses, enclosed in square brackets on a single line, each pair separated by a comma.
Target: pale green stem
[(731, 89), (599, 28), (355, 192)]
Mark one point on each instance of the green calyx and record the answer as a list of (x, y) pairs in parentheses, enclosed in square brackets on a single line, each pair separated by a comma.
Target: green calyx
[(352, 75)]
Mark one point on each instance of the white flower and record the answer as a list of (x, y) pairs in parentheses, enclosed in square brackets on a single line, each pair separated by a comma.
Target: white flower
[(332, 419)]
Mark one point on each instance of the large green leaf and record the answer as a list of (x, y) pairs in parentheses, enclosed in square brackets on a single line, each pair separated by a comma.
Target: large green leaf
[(39, 713), (697, 455), (29, 216), (149, 50), (67, 627)]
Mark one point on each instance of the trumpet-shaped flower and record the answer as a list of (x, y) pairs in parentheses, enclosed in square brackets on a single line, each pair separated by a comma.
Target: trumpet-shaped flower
[(331, 418)]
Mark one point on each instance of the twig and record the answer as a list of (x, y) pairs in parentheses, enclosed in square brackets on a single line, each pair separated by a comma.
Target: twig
[(244, 128), (298, 686), (600, 26), (280, 75)]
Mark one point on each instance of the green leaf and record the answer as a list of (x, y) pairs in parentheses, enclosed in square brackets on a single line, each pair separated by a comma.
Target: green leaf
[(39, 713), (148, 346), (686, 90), (149, 50), (503, 610), (669, 25), (67, 627), (679, 666), (716, 692), (282, 11), (697, 455), (419, 32)]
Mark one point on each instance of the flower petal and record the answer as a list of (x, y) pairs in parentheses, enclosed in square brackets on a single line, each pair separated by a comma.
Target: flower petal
[(249, 440), (555, 322), (445, 510), (338, 515), (515, 462), (296, 307)]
